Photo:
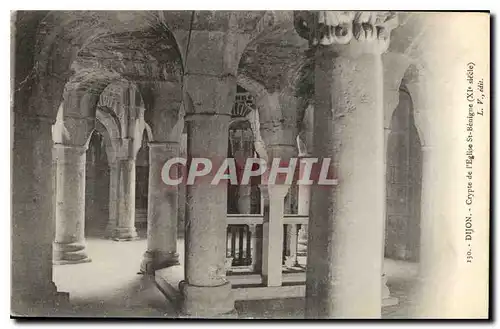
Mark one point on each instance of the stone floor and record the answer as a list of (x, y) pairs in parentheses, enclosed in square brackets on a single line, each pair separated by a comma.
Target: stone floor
[(109, 286), (400, 277)]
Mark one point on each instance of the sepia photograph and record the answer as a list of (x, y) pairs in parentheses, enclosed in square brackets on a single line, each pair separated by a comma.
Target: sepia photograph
[(250, 164)]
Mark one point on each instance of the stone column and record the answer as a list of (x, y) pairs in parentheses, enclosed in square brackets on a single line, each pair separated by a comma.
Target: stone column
[(113, 199), (69, 244), (304, 196), (256, 248), (162, 210), (206, 290), (345, 245), (181, 208), (91, 198), (125, 229), (291, 230), (33, 188), (455, 224), (432, 288), (242, 145), (443, 264), (244, 199), (386, 293), (291, 255), (272, 233)]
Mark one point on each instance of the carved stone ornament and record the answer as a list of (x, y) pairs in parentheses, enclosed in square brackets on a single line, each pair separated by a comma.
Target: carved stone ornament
[(341, 27)]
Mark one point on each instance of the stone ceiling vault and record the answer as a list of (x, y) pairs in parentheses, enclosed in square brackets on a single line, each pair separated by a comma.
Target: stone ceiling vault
[(85, 51)]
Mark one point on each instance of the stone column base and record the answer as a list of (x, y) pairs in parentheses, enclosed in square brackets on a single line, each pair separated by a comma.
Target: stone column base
[(156, 260), (109, 231), (125, 234), (387, 299), (202, 302), (51, 305), (69, 253), (390, 301), (46, 302)]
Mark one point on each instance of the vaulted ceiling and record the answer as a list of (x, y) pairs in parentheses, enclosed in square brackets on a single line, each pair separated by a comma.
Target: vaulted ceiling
[(88, 50)]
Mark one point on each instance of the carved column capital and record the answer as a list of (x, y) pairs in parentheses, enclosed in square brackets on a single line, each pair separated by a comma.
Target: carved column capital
[(69, 154), (364, 31), (209, 94), (125, 149), (160, 150)]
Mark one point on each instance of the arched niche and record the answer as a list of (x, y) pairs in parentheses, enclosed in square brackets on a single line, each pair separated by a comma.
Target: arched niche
[(142, 182), (403, 178), (97, 183), (241, 146)]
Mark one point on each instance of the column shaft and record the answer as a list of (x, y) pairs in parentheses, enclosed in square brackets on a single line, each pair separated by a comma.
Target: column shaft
[(304, 199), (206, 290), (69, 244), (443, 265), (256, 248), (162, 210), (32, 216), (272, 233), (386, 293), (242, 149), (345, 243), (244, 199), (113, 199), (454, 222), (435, 280), (291, 256), (125, 229)]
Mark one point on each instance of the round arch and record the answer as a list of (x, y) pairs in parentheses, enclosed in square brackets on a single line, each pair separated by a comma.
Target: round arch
[(412, 84), (110, 121)]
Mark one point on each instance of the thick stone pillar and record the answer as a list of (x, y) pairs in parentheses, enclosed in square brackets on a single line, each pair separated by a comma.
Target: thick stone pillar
[(125, 229), (345, 244), (386, 293), (113, 199), (453, 280), (432, 288), (441, 246), (69, 243), (33, 290), (162, 210), (272, 233), (346, 221), (206, 290)]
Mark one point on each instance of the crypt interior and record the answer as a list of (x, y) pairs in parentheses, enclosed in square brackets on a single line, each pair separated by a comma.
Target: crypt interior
[(102, 99)]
